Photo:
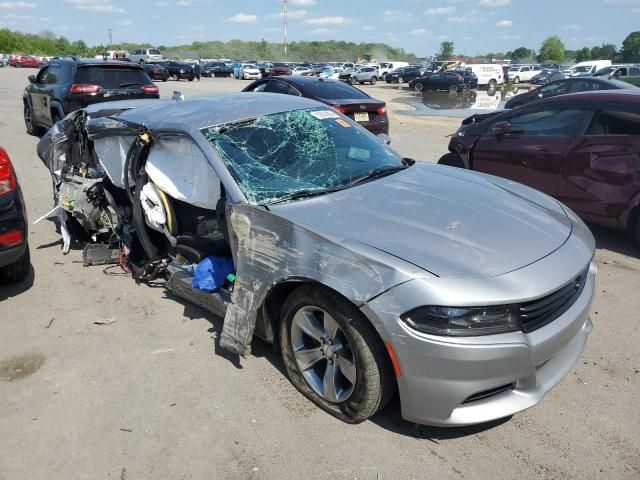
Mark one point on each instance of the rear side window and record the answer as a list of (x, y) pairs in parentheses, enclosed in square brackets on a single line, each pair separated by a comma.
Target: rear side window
[(53, 74), (333, 90), (615, 123), (277, 86), (547, 123), (110, 77), (633, 71), (153, 51)]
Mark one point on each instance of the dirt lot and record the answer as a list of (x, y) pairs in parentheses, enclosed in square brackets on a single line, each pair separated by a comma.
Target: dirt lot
[(151, 396)]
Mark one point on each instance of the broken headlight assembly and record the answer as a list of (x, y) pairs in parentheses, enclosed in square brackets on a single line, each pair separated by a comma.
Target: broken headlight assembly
[(463, 321)]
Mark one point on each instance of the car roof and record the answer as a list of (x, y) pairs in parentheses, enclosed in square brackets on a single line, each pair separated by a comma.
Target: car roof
[(622, 95), (93, 61), (194, 114)]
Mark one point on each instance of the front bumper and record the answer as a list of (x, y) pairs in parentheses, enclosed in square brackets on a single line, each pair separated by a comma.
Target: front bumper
[(441, 377), (251, 76)]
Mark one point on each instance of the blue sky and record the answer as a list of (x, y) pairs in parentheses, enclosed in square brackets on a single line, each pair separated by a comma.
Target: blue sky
[(475, 26)]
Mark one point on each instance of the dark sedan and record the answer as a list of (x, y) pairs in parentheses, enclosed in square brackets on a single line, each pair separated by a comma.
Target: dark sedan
[(568, 85), (547, 76), (346, 99), (180, 70), (156, 71), (14, 250), (583, 149), (216, 69), (402, 75), (452, 81)]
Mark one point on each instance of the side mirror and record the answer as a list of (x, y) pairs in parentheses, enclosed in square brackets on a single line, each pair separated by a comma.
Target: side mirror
[(32, 78), (501, 128)]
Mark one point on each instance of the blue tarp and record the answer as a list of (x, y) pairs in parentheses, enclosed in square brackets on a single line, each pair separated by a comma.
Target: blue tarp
[(211, 273)]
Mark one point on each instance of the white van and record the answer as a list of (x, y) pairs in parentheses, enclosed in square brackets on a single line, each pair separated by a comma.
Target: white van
[(146, 55), (386, 67), (488, 74), (584, 69)]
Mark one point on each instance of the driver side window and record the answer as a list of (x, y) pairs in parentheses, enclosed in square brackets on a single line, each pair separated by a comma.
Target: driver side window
[(547, 122), (42, 75)]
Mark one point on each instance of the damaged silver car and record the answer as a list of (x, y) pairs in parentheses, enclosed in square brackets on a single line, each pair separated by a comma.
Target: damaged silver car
[(467, 294)]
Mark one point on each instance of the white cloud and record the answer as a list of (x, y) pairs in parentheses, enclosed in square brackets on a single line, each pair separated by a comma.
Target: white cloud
[(103, 6), (243, 18), (465, 19), (367, 27), (419, 32), (326, 21), (16, 5), (305, 3), (504, 24), (396, 16), (440, 11), (495, 3), (319, 31), (44, 20), (291, 15)]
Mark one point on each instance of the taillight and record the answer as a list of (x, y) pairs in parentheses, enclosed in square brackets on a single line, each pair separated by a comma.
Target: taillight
[(11, 238), (7, 176), (150, 88), (382, 110), (340, 108), (84, 88)]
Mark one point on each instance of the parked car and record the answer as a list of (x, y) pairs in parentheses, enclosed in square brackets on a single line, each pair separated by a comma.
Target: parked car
[(216, 69), (583, 149), (625, 73), (487, 74), (331, 73), (156, 71), (180, 70), (146, 55), (250, 71), (364, 75), (451, 81), (343, 75), (386, 67), (586, 69), (67, 84), (346, 99), (402, 75), (522, 73), (470, 78), (279, 69), (547, 76), (300, 71), (563, 87), (362, 267), (14, 246), (27, 61)]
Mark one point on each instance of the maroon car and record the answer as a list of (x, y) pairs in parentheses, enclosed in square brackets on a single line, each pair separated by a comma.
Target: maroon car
[(583, 149), (280, 69), (27, 61), (348, 100)]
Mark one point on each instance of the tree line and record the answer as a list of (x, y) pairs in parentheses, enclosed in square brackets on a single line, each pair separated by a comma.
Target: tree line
[(552, 50)]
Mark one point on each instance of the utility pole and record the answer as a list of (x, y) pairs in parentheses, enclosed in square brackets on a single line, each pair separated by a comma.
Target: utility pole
[(110, 37), (285, 27)]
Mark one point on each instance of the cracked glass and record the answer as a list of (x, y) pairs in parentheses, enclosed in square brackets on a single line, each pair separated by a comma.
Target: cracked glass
[(275, 156)]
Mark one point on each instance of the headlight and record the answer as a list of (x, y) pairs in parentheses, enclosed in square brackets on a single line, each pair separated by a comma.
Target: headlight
[(463, 321)]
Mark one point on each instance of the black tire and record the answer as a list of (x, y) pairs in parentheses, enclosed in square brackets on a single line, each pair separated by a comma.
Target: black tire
[(18, 270), (451, 160), (400, 80), (165, 79), (374, 384), (493, 84), (29, 122), (141, 62), (516, 80), (418, 87), (373, 80), (191, 79)]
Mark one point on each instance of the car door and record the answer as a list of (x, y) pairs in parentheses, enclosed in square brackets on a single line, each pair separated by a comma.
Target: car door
[(530, 146), (48, 91), (434, 82), (36, 92), (601, 171)]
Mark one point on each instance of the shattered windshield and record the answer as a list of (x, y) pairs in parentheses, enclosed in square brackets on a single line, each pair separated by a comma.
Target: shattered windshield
[(275, 156)]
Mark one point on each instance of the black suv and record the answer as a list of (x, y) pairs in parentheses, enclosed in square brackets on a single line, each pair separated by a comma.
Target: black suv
[(180, 70), (67, 84)]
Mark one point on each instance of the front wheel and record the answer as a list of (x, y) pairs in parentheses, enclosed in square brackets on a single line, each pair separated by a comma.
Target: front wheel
[(451, 160), (400, 80), (418, 86), (373, 80), (493, 84), (333, 355), (516, 80), (176, 77)]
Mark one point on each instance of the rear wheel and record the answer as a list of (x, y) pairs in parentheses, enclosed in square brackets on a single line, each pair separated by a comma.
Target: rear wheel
[(516, 80), (18, 270), (492, 84), (453, 88), (30, 123), (373, 80), (176, 77), (400, 80), (419, 87), (451, 160), (333, 355)]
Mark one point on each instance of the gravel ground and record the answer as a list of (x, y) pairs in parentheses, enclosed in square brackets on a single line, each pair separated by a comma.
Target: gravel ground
[(149, 395)]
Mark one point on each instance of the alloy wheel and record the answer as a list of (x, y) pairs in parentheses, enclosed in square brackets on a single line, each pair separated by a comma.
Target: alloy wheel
[(28, 120), (323, 354)]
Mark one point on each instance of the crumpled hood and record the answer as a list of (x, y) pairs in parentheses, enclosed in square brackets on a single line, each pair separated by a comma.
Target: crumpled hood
[(448, 221)]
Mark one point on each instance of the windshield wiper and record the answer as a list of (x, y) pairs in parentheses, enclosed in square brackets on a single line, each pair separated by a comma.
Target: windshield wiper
[(304, 194), (376, 173)]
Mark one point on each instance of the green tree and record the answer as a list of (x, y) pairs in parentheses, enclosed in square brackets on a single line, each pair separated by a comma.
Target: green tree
[(631, 48), (552, 50), (583, 55), (446, 50), (605, 52), (521, 53)]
